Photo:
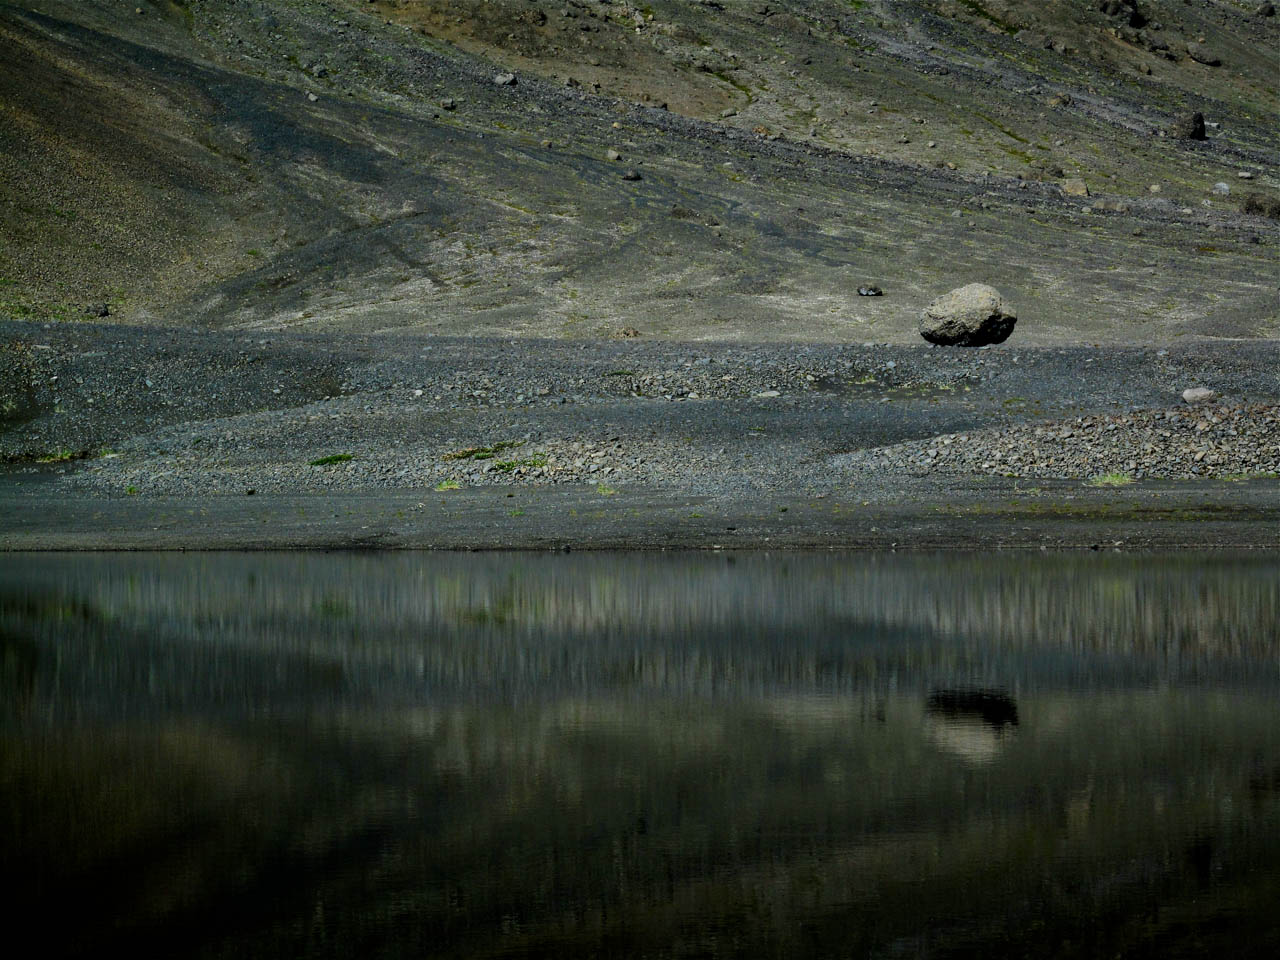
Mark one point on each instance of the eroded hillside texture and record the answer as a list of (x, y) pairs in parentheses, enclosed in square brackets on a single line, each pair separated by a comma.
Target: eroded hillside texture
[(724, 169)]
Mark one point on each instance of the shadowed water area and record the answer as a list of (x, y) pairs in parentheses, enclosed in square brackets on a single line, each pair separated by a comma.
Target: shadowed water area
[(486, 755)]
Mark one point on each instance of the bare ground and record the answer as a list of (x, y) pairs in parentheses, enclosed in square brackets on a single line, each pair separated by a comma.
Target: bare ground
[(236, 239)]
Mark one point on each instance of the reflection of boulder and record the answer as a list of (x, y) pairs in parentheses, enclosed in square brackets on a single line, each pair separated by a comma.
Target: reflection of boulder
[(973, 725), (990, 706)]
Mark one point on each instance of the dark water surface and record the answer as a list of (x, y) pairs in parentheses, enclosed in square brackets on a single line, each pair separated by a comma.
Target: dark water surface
[(642, 755)]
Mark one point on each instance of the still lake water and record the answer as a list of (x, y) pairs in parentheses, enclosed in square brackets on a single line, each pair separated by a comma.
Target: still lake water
[(484, 755)]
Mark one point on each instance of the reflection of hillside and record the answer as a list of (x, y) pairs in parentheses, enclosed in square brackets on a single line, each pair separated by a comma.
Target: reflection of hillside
[(558, 826), (342, 627), (487, 755), (1081, 602)]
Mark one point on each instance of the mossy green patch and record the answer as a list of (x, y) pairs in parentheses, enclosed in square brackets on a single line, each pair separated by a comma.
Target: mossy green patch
[(1111, 480), (1001, 127), (979, 10), (1240, 477), (58, 456), (510, 466), (333, 458)]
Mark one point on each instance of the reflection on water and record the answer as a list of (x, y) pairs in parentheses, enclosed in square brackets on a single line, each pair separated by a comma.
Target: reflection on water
[(688, 756), (971, 724)]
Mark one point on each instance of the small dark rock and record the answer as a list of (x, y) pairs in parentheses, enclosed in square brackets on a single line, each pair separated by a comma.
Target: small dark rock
[(632, 175), (1201, 54), (1261, 205), (870, 291), (1266, 10), (1189, 127), (97, 310)]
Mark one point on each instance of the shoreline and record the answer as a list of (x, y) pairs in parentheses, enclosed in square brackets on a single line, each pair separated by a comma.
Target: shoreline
[(987, 516)]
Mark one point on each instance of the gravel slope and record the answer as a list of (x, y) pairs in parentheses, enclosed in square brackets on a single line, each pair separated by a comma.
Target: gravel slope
[(139, 410)]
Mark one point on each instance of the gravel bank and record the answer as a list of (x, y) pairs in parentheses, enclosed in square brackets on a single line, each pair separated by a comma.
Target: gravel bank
[(1217, 441), (447, 442)]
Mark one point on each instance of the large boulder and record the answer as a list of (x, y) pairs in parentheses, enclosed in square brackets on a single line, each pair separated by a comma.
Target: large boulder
[(970, 316)]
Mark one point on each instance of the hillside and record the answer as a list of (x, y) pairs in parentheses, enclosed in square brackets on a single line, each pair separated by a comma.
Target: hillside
[(353, 166)]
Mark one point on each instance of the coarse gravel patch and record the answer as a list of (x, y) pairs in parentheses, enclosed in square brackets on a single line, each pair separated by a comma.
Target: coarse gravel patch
[(1218, 441)]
